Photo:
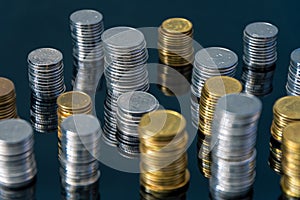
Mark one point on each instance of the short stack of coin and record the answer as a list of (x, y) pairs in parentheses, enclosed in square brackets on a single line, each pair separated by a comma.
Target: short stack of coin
[(17, 160), (209, 62), (89, 192), (175, 42), (125, 70), (293, 82), (214, 88), (131, 107), (260, 55), (290, 181), (70, 103), (233, 146), (163, 144), (285, 110), (46, 81), (8, 107), (78, 150)]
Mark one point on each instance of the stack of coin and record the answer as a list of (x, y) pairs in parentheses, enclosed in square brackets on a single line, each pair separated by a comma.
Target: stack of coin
[(86, 29), (89, 192), (125, 70), (23, 193), (17, 160), (293, 82), (260, 56), (78, 150), (163, 144), (290, 181), (233, 146), (209, 62), (70, 103), (214, 88), (46, 80), (286, 110), (8, 107), (131, 107), (175, 42)]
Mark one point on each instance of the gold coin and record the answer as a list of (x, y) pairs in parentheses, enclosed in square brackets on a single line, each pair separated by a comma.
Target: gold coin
[(177, 25), (6, 87), (220, 85), (73, 100), (288, 107), (291, 136)]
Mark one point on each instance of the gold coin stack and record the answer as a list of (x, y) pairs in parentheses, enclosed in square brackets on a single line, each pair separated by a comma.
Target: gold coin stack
[(290, 181), (163, 145), (8, 107), (175, 42), (70, 103), (214, 88), (285, 111)]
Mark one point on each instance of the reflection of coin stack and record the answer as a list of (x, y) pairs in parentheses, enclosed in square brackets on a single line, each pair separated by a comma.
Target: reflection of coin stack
[(290, 181), (214, 88), (209, 62), (233, 146), (163, 143), (78, 150), (70, 103), (8, 108), (148, 195), (125, 70), (45, 71), (131, 107), (293, 82), (24, 193), (259, 58), (86, 29), (89, 192), (17, 160), (285, 110)]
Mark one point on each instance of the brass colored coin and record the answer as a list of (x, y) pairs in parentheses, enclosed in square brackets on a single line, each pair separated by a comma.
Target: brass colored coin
[(73, 100), (6, 87), (291, 136), (221, 85), (288, 107), (177, 25)]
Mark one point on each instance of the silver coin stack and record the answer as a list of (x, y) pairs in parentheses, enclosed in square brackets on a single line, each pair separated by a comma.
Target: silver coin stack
[(86, 29), (131, 107), (78, 150), (233, 146), (125, 70), (89, 192), (209, 62), (46, 81), (260, 55), (17, 160), (293, 82)]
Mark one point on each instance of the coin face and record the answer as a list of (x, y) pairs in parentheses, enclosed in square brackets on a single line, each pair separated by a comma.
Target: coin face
[(292, 133), (86, 17), (6, 87), (45, 57), (73, 100), (14, 131), (178, 25), (221, 85), (261, 30), (288, 107)]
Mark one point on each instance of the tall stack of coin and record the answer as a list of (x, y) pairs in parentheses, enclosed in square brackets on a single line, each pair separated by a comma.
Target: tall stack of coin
[(293, 82), (214, 88), (70, 103), (286, 110), (163, 144), (209, 62), (131, 107), (260, 55), (89, 192), (175, 42), (290, 181), (8, 107), (17, 160), (79, 150), (46, 80), (233, 146), (125, 70), (86, 29)]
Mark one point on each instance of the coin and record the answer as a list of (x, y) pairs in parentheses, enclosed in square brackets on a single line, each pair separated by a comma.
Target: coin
[(177, 25), (8, 108)]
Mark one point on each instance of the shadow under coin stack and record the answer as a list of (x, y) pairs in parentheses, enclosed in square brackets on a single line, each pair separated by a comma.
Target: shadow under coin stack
[(125, 70), (293, 82), (46, 80), (8, 107), (290, 181), (17, 160), (209, 62), (286, 110), (131, 107), (86, 29), (79, 150), (214, 88), (260, 55), (163, 145), (233, 146)]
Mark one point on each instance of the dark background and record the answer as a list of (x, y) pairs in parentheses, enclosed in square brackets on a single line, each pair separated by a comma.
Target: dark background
[(27, 25)]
